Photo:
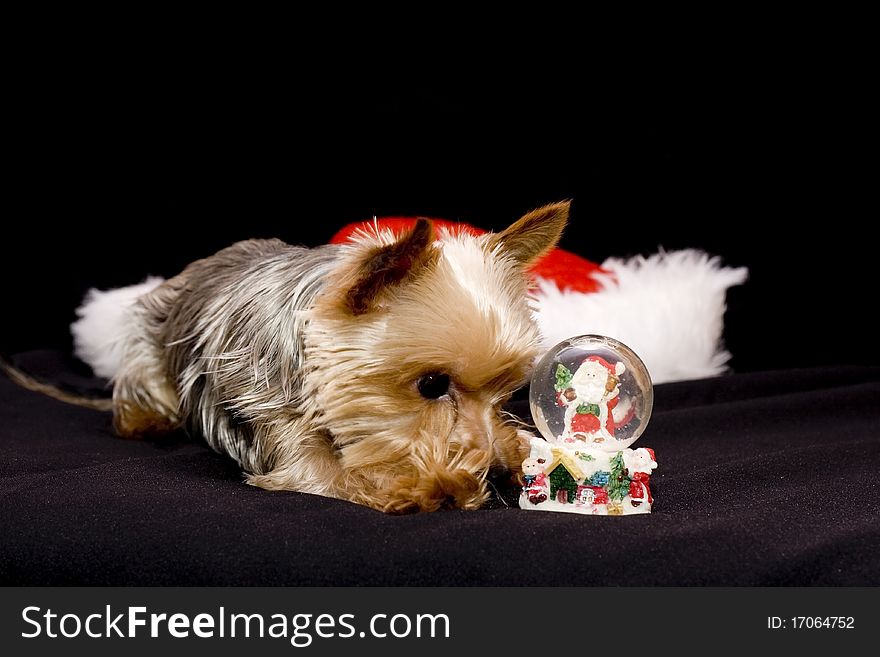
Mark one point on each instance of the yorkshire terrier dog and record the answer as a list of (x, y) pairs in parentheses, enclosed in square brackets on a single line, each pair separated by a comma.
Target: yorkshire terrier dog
[(373, 371)]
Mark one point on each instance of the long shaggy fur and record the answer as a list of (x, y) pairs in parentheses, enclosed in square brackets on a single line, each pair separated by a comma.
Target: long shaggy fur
[(304, 364)]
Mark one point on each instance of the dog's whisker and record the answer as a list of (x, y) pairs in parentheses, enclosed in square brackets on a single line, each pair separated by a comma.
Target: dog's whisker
[(497, 493), (182, 340), (224, 356)]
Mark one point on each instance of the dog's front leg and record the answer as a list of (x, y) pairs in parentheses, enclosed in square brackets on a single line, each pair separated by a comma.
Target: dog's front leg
[(295, 458)]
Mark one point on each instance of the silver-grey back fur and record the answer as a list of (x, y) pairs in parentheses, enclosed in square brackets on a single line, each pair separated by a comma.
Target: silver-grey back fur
[(232, 330)]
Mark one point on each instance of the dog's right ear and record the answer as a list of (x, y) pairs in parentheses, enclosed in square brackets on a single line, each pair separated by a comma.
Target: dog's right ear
[(532, 235), (384, 267)]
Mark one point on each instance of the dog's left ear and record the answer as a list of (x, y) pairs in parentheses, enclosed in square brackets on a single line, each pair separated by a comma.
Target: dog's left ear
[(385, 267), (533, 234)]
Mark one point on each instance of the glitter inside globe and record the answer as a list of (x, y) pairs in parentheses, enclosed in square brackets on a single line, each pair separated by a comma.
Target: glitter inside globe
[(593, 391)]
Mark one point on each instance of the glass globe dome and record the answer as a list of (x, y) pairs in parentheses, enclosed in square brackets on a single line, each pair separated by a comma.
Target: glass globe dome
[(591, 390)]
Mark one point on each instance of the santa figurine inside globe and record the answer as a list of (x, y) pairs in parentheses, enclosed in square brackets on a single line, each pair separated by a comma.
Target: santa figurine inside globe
[(591, 398)]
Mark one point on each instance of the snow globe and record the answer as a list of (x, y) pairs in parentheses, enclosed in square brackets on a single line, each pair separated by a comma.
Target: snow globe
[(591, 398)]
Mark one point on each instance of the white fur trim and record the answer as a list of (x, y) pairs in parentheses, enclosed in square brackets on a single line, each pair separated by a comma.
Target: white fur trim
[(669, 308), (98, 333)]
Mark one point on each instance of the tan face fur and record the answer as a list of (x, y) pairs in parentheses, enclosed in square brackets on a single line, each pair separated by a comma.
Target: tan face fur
[(405, 309)]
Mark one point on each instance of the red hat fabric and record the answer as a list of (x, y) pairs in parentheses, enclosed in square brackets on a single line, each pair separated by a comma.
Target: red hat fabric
[(567, 270)]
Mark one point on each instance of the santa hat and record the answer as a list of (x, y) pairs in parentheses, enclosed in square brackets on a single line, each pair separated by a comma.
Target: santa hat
[(668, 307), (615, 370)]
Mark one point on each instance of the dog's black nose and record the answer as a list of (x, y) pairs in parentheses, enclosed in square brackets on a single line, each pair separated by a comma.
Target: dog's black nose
[(449, 502)]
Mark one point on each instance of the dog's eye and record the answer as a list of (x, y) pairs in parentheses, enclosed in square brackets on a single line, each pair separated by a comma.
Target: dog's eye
[(433, 385)]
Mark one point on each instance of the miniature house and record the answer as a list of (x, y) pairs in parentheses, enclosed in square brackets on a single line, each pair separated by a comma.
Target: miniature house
[(590, 480), (570, 482), (587, 494), (564, 476)]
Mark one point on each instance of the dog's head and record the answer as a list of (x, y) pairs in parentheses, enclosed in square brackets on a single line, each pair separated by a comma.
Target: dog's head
[(412, 351)]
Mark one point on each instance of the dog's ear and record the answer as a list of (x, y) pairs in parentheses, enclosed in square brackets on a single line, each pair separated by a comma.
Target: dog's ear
[(386, 266), (532, 235)]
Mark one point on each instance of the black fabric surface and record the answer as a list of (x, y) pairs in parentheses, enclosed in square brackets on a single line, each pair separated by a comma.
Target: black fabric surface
[(764, 479)]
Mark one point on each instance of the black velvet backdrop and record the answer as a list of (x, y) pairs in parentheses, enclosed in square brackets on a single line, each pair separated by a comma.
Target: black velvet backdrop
[(123, 164), (765, 479), (127, 167)]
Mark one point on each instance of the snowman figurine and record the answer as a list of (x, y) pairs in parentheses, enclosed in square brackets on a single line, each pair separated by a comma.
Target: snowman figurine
[(534, 480)]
